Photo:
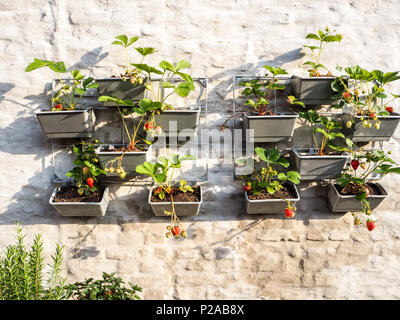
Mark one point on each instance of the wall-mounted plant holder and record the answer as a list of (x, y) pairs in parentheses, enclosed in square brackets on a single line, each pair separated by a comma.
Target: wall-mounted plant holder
[(358, 133), (312, 90), (120, 89), (81, 209), (312, 166), (348, 203), (67, 124), (182, 209), (268, 206), (129, 161)]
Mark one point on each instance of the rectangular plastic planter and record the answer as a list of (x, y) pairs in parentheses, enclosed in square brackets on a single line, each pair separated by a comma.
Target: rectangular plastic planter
[(81, 209), (269, 205), (271, 128), (184, 119), (385, 132), (349, 203), (182, 209), (312, 90), (121, 89), (315, 167), (129, 161), (67, 124)]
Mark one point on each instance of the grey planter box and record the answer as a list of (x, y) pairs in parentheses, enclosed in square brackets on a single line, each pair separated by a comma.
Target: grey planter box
[(349, 203), (81, 209), (361, 134), (312, 90), (184, 119), (182, 209), (315, 167), (271, 128), (269, 205), (121, 89), (129, 161), (67, 124)]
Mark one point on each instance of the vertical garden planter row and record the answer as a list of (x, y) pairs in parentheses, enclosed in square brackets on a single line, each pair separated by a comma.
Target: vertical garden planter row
[(348, 203), (182, 209), (271, 128), (129, 161), (312, 166), (67, 124), (81, 209), (184, 119), (269, 205), (120, 89), (358, 133), (312, 90)]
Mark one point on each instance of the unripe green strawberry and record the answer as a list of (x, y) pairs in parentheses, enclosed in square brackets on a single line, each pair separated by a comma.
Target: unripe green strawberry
[(349, 124)]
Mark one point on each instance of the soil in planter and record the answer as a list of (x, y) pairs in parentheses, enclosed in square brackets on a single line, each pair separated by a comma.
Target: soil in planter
[(179, 196), (124, 149), (286, 192), (70, 194), (355, 190)]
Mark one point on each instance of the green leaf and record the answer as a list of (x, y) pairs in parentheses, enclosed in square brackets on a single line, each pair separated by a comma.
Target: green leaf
[(182, 64), (282, 176), (132, 40), (123, 38), (293, 176), (118, 43), (147, 68), (165, 65), (312, 36), (145, 51), (167, 84), (146, 168), (76, 75), (183, 89), (36, 64), (79, 91), (58, 67)]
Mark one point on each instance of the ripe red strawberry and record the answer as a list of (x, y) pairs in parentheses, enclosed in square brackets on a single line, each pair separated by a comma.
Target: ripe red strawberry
[(157, 191), (372, 115), (90, 182), (355, 164), (176, 230), (347, 95), (370, 225), (247, 188), (289, 213), (58, 106), (389, 109), (261, 113), (148, 126)]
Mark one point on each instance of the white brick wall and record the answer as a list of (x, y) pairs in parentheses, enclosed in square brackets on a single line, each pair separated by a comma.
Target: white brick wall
[(316, 255)]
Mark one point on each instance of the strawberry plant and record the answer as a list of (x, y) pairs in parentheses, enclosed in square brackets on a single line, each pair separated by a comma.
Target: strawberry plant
[(133, 74), (322, 38), (166, 72), (262, 91), (162, 173), (362, 90), (363, 165), (325, 127), (129, 108), (270, 180), (64, 97), (87, 167)]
